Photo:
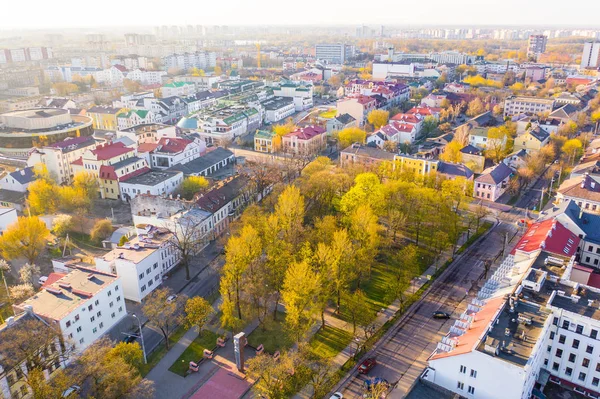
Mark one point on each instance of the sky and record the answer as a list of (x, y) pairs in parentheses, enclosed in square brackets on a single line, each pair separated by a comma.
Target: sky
[(38, 14)]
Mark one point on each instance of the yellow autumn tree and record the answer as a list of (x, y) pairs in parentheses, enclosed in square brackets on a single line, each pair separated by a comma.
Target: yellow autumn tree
[(378, 118), (25, 238), (351, 135)]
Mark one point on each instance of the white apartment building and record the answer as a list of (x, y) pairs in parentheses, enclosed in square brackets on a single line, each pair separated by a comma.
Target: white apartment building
[(336, 53), (186, 61), (527, 105), (112, 76), (135, 117), (59, 157), (205, 82), (278, 108), (181, 89), (146, 77), (300, 93), (535, 320), (84, 303), (141, 262), (228, 123), (590, 58), (153, 182)]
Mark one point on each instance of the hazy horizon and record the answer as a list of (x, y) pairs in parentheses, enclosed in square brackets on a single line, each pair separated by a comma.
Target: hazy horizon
[(464, 13)]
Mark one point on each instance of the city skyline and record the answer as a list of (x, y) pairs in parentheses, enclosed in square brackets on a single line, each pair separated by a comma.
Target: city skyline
[(269, 12)]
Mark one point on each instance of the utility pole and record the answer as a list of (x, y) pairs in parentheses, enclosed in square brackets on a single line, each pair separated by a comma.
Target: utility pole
[(141, 337), (504, 243), (541, 200)]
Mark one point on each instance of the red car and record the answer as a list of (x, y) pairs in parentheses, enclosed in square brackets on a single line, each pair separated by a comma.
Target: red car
[(367, 365)]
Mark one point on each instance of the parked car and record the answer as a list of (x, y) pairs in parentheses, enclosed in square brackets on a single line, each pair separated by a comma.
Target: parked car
[(367, 365), (171, 298), (337, 395), (73, 389), (441, 315), (129, 339), (375, 381)]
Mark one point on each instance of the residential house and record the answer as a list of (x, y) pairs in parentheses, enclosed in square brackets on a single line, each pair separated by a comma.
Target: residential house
[(18, 180), (365, 155), (584, 190), (84, 304), (420, 166), (225, 124), (202, 100), (452, 171), (516, 160), (59, 157), (473, 157), (424, 111), (149, 133), (340, 122), (225, 202), (434, 100), (135, 117), (175, 150), (479, 137), (141, 262), (207, 164), (153, 182), (309, 140), (301, 93), (414, 119), (396, 132), (167, 110), (532, 140), (566, 113), (493, 182), (112, 76), (591, 168), (358, 107), (105, 118), (263, 141), (12, 199)]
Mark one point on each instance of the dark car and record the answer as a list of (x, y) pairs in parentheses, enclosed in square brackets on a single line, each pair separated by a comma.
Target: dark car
[(441, 315), (367, 365), (375, 381), (129, 339)]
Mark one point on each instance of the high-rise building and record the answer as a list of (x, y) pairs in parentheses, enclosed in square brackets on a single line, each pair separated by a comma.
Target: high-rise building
[(591, 55), (536, 45), (334, 53)]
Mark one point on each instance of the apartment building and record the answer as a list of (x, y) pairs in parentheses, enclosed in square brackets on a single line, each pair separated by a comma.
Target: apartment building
[(263, 141), (301, 93), (517, 105), (278, 108), (309, 140), (181, 89), (171, 151), (84, 304), (105, 118), (584, 190), (333, 53), (141, 262), (590, 57), (223, 124), (146, 77), (59, 157), (420, 166), (153, 182), (536, 45), (358, 107), (365, 155), (186, 61)]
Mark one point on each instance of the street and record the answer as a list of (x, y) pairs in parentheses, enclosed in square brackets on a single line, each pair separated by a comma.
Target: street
[(402, 354)]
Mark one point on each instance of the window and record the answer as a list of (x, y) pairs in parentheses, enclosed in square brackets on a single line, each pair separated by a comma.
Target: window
[(565, 325), (143, 288), (150, 282), (471, 390), (120, 309), (585, 362), (545, 362), (116, 288), (473, 373), (555, 321), (101, 325), (109, 293), (94, 330), (71, 336), (552, 335), (589, 349), (568, 371), (156, 278), (559, 353), (594, 334), (549, 348), (572, 357), (598, 367), (81, 341), (155, 265), (555, 366), (76, 317), (110, 305), (575, 343), (92, 319), (581, 377), (99, 314), (97, 302), (595, 381), (113, 315), (118, 298), (579, 329), (561, 339), (79, 329), (141, 276), (68, 323), (460, 385), (90, 307)]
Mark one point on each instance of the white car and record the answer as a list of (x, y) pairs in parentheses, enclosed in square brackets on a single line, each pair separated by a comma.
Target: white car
[(171, 298), (71, 390), (337, 395)]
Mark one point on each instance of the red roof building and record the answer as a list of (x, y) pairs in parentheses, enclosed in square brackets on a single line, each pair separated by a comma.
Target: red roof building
[(550, 236), (108, 151)]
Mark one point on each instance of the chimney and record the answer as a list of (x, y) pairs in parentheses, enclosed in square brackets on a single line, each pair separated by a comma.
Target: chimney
[(580, 213)]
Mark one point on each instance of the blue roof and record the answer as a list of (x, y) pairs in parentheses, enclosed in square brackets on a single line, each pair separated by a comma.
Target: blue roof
[(188, 123), (24, 176)]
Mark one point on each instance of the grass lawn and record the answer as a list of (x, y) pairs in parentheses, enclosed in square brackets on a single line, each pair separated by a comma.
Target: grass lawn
[(329, 342), (160, 351), (328, 114), (194, 352), (271, 335)]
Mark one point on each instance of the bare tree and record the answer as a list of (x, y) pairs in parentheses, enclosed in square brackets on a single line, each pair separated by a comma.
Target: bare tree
[(162, 312), (188, 237)]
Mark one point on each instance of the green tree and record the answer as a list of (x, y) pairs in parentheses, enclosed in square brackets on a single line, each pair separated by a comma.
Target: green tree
[(131, 353), (429, 125), (367, 189), (62, 224), (358, 309), (197, 312)]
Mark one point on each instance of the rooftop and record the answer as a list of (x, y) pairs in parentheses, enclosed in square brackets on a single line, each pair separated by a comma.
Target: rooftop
[(57, 300), (221, 196), (152, 178), (172, 145), (200, 164), (110, 150), (550, 236), (495, 174), (140, 247), (368, 151)]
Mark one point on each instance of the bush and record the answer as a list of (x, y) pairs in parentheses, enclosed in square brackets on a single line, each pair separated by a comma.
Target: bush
[(62, 225), (102, 229)]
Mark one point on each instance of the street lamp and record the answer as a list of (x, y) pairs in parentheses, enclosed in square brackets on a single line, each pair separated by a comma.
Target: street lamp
[(141, 336)]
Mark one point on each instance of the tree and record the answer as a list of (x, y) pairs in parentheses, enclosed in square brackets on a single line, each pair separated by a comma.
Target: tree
[(286, 128), (289, 212), (404, 265), (42, 196), (162, 314), (62, 224), (131, 353), (461, 135), (357, 309), (572, 150), (378, 118), (101, 230), (131, 85), (452, 152), (475, 107), (197, 312), (496, 143), (497, 110), (337, 263), (351, 135), (188, 238), (27, 273), (65, 88), (429, 125), (123, 240), (218, 71), (274, 378), (192, 185), (26, 237), (364, 232), (86, 184), (108, 372), (20, 292), (366, 190), (595, 118), (299, 295)]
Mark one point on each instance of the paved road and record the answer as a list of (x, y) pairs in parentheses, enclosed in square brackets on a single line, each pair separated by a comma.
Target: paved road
[(409, 343), (531, 198)]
